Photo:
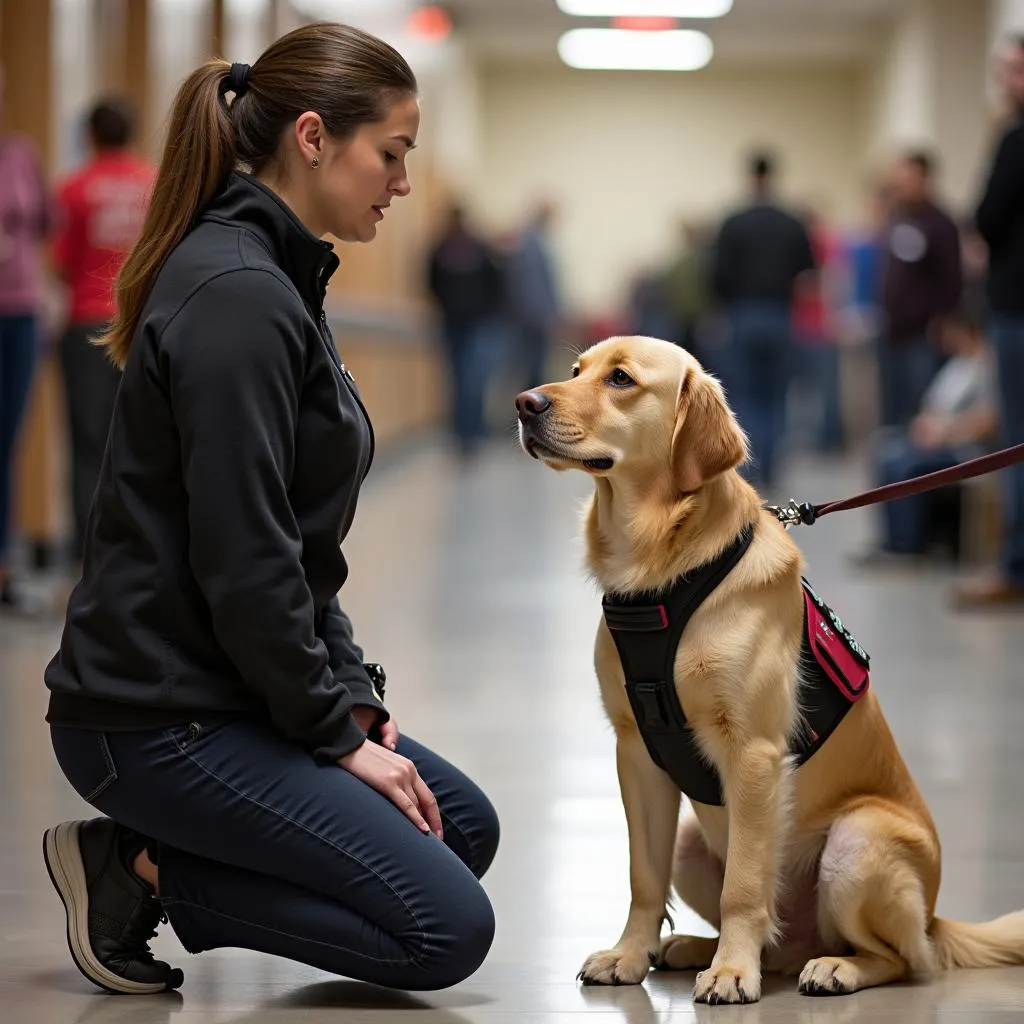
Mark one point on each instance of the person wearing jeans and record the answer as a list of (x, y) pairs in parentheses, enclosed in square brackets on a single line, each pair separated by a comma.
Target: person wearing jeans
[(208, 696), (763, 256), (465, 279), (922, 280), (1000, 222), (957, 421), (761, 356), (25, 222), (257, 846)]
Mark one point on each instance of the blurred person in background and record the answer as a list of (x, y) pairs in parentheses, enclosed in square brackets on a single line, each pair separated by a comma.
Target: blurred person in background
[(957, 420), (101, 208), (466, 278), (760, 254), (814, 326), (534, 297), (686, 288), (209, 697), (1000, 222), (859, 277), (26, 221), (648, 310), (921, 282)]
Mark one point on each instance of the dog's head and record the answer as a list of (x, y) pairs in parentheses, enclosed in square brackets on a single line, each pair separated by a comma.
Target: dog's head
[(635, 407)]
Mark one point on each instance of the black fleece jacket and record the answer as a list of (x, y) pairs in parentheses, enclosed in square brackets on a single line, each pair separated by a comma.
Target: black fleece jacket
[(235, 456)]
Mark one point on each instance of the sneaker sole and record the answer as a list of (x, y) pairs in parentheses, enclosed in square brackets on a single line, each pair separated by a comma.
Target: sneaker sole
[(64, 865)]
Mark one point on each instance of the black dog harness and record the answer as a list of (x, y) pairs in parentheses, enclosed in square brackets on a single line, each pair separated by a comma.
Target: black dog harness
[(833, 671)]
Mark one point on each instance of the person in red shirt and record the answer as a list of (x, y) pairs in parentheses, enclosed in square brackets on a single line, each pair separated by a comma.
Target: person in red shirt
[(101, 210)]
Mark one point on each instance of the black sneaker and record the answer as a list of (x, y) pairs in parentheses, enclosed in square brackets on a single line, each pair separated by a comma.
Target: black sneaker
[(112, 914)]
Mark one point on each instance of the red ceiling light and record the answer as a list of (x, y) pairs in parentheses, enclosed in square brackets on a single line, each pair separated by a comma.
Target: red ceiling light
[(429, 22), (634, 23)]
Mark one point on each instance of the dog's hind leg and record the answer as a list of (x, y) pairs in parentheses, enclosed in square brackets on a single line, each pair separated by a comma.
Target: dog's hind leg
[(871, 895), (697, 876)]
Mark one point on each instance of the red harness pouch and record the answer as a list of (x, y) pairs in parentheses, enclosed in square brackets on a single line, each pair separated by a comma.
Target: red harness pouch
[(834, 648)]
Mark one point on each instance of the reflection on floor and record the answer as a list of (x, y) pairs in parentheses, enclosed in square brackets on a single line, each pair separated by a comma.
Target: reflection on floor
[(466, 583)]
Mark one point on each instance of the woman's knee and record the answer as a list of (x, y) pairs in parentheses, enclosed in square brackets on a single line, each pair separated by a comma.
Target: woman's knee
[(458, 944)]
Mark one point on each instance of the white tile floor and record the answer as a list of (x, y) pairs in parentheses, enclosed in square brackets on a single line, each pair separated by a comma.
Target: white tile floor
[(467, 585)]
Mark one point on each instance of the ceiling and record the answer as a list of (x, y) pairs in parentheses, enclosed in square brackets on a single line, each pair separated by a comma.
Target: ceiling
[(754, 31)]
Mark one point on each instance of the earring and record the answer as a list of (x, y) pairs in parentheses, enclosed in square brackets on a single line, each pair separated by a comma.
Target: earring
[(315, 162)]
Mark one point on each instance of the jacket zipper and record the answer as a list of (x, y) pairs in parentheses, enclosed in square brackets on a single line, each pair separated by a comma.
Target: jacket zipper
[(350, 384)]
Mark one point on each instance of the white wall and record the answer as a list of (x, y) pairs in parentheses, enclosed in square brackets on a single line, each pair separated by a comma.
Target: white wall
[(964, 128), (1006, 16), (902, 110), (626, 155), (75, 82), (179, 35), (929, 89), (246, 29)]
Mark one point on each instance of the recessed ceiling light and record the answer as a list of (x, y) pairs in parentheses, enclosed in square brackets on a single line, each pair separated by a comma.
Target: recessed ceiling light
[(338, 10), (646, 8), (614, 49)]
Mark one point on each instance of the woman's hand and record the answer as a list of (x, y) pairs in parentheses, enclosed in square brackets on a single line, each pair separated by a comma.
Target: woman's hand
[(389, 734), (366, 718), (396, 778)]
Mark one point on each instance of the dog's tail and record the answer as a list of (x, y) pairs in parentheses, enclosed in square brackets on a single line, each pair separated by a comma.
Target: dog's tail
[(998, 943)]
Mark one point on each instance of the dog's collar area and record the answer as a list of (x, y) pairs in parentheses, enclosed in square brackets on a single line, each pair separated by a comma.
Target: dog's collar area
[(833, 671)]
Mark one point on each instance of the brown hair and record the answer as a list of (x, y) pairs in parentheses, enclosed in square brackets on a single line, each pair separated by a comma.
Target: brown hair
[(346, 76)]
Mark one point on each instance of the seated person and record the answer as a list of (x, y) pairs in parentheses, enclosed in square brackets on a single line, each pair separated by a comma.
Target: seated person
[(957, 420)]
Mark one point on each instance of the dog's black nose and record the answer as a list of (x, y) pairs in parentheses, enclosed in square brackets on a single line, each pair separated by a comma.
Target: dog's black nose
[(532, 403)]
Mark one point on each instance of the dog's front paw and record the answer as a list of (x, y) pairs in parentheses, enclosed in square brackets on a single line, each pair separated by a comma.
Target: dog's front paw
[(627, 965), (727, 984)]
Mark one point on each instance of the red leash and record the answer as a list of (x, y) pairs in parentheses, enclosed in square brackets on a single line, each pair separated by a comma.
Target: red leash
[(804, 513)]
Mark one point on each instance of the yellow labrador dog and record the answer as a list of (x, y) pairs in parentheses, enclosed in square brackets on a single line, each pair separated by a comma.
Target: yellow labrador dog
[(830, 870)]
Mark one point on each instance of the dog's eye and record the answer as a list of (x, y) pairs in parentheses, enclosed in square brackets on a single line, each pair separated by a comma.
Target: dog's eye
[(620, 379), (575, 371)]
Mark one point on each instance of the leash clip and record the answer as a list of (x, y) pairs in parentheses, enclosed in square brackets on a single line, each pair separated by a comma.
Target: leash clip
[(793, 513)]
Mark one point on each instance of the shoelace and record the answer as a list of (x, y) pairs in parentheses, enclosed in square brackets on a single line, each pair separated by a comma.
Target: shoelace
[(142, 929)]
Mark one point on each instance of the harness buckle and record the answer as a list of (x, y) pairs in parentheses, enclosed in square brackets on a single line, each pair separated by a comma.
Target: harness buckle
[(652, 699), (793, 513)]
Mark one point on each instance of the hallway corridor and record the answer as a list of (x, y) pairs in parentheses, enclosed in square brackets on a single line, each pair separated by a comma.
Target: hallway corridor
[(467, 584)]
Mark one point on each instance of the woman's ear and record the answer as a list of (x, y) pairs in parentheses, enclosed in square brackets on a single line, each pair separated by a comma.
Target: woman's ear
[(707, 440), (309, 133)]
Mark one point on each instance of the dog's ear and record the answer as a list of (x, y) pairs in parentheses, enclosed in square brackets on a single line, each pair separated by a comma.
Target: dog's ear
[(707, 439)]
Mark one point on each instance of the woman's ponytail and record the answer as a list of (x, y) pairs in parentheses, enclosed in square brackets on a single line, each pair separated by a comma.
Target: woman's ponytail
[(198, 155), (347, 76)]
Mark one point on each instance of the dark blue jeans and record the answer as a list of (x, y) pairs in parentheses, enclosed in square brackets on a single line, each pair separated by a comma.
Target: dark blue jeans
[(261, 848), (907, 520), (472, 351), (905, 369), (18, 350), (1008, 337), (757, 376)]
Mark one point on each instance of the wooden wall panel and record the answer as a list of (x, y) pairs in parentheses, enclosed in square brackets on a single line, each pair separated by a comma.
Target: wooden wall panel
[(27, 104)]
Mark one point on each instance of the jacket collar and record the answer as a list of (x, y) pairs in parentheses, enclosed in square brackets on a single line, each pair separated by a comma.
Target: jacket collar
[(308, 261)]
